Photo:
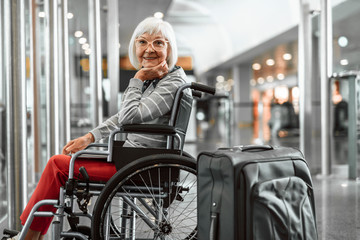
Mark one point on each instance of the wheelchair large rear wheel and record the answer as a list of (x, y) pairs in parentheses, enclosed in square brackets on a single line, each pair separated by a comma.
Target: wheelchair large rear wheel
[(154, 197)]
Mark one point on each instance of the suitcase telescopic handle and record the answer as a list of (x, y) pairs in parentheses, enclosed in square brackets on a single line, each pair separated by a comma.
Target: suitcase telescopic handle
[(255, 147)]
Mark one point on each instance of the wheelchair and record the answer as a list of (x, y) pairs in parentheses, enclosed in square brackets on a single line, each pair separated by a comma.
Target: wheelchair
[(153, 195)]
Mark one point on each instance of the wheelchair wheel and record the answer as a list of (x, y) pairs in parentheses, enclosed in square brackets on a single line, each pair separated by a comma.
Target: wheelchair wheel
[(154, 197)]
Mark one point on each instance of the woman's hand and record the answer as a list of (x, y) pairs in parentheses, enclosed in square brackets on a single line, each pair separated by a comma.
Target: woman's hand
[(157, 72), (78, 144)]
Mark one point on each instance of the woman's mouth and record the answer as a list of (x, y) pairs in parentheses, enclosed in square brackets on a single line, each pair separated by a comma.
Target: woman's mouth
[(149, 58)]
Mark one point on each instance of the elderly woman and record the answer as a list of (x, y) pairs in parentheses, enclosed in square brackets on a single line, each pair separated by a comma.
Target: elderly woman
[(148, 98)]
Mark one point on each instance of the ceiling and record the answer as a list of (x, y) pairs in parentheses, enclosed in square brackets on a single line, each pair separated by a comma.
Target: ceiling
[(216, 32), (196, 25)]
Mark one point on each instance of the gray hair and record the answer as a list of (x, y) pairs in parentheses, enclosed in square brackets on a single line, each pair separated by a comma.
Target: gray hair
[(154, 25)]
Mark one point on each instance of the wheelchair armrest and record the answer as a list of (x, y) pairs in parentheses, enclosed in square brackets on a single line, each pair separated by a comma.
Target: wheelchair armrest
[(85, 154), (149, 128), (103, 145)]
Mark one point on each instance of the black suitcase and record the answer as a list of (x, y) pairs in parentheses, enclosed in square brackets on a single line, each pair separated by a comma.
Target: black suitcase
[(255, 192)]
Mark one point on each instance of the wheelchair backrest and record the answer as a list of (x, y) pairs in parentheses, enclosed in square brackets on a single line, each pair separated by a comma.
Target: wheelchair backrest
[(179, 118), (181, 112)]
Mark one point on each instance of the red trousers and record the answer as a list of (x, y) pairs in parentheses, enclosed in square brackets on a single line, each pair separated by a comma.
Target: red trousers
[(54, 176)]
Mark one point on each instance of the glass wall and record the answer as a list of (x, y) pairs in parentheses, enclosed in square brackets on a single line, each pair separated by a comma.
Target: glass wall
[(81, 46), (274, 83), (45, 43), (346, 59), (80, 49)]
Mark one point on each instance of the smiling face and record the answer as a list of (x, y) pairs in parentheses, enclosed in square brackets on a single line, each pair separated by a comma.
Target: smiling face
[(145, 52)]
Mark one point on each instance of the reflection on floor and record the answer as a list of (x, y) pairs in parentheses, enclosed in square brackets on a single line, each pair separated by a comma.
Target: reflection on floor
[(337, 199), (337, 202)]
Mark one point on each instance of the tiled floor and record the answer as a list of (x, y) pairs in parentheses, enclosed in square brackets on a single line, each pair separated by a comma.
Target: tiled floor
[(337, 199), (337, 202)]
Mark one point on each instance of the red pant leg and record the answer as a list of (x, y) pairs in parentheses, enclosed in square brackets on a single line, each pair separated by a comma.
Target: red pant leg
[(54, 176)]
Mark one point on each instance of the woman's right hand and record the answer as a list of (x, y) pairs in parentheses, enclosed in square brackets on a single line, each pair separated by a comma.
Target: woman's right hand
[(157, 72), (78, 144)]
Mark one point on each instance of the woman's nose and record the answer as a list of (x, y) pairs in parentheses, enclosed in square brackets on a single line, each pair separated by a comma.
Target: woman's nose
[(149, 48)]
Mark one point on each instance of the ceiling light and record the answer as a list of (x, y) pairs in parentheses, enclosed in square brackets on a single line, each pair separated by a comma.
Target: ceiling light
[(85, 46), (220, 78), (82, 40), (260, 80), (343, 41), (158, 15), (219, 85), (256, 66), (41, 14), (280, 76), (78, 34), (87, 51), (227, 87), (344, 62), (200, 116), (269, 78), (270, 62), (69, 15), (252, 82), (287, 56)]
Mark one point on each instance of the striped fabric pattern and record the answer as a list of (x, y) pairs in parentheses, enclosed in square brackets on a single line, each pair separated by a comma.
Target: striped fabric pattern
[(150, 107)]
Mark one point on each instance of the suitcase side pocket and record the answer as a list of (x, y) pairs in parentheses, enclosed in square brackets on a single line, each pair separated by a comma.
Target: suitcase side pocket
[(282, 210)]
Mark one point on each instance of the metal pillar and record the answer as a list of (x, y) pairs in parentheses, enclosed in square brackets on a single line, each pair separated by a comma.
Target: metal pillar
[(325, 75), (15, 73), (95, 62), (352, 127), (65, 83), (353, 78), (52, 76), (113, 54), (35, 111), (242, 106), (305, 78), (1, 56)]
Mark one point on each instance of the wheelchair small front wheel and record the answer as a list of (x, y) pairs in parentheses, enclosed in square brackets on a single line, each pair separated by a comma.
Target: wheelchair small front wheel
[(155, 197)]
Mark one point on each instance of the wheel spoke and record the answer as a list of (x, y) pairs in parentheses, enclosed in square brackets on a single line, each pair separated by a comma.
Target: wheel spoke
[(158, 200)]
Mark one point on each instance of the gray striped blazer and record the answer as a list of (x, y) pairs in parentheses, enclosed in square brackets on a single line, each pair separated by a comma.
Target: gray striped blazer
[(151, 107)]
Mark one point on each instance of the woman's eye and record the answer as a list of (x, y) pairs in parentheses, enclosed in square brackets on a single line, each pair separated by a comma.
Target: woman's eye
[(159, 43), (142, 42)]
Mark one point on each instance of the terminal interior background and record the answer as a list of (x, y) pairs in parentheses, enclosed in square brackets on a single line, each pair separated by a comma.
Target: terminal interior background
[(72, 66)]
